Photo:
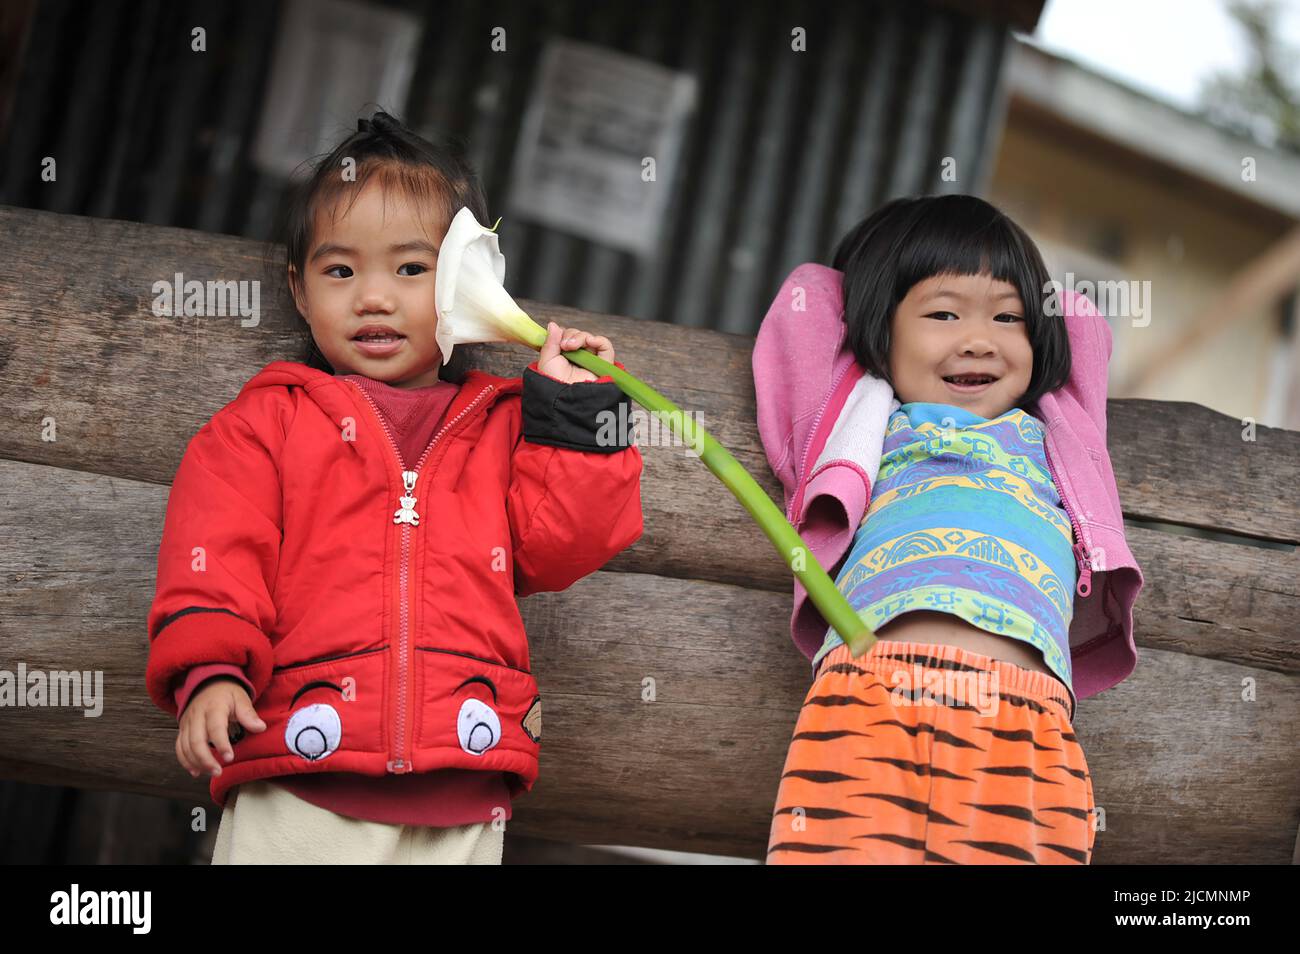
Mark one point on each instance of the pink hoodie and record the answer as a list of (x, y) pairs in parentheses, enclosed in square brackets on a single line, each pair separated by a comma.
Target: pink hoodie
[(822, 422)]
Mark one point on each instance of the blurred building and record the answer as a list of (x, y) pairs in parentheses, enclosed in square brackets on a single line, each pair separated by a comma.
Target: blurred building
[(1118, 187)]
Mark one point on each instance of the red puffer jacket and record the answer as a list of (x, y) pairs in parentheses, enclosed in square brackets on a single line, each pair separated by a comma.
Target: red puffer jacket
[(373, 606)]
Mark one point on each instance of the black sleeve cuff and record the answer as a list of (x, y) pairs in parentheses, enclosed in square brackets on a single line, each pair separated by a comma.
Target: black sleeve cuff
[(586, 415)]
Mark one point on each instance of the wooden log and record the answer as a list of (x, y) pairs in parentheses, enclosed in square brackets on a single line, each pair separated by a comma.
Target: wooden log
[(1192, 757), (127, 388), (673, 734)]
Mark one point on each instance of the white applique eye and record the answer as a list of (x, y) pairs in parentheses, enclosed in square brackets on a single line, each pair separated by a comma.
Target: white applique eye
[(314, 731), (478, 726)]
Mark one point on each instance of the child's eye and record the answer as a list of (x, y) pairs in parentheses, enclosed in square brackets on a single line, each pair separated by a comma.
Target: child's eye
[(1013, 317), (332, 267), (422, 268), (936, 314)]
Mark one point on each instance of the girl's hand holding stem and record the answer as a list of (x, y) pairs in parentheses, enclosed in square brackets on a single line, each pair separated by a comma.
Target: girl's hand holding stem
[(551, 362)]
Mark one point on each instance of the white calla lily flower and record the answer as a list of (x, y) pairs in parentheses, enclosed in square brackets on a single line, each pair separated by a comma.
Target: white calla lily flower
[(473, 306)]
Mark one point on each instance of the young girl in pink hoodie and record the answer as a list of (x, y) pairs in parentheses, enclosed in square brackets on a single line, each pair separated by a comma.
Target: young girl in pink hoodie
[(936, 412)]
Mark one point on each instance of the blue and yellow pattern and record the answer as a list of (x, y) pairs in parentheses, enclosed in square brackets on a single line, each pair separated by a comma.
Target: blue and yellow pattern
[(965, 519)]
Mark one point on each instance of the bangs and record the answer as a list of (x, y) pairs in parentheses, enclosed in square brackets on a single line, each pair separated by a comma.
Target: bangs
[(965, 239), (428, 192)]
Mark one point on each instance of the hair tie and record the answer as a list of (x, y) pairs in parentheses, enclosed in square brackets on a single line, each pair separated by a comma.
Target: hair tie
[(363, 125)]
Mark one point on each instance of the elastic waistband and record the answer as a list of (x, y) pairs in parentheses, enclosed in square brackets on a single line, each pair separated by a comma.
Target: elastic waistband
[(890, 656)]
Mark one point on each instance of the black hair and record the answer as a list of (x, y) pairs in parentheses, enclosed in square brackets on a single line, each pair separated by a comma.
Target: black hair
[(434, 172), (908, 240)]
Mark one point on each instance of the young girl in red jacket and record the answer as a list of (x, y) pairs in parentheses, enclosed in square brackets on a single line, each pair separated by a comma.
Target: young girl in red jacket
[(335, 622)]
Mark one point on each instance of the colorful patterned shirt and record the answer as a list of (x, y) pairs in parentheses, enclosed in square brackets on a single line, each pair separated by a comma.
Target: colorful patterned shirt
[(965, 519)]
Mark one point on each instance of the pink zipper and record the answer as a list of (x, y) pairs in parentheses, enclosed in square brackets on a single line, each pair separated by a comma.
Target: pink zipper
[(401, 764), (1084, 586), (800, 474)]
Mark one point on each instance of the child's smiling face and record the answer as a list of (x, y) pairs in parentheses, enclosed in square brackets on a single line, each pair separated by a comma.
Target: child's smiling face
[(955, 325), (374, 264)]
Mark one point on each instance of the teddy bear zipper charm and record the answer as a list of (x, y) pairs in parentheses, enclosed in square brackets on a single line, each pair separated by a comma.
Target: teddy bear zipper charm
[(406, 513)]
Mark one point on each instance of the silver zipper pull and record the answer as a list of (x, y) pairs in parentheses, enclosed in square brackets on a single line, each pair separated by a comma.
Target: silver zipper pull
[(406, 513)]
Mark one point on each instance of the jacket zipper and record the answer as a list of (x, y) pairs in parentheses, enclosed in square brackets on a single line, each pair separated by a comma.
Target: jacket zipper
[(1084, 586), (801, 474), (409, 519)]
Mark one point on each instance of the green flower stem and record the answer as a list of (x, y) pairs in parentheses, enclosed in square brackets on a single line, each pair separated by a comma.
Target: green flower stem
[(830, 602)]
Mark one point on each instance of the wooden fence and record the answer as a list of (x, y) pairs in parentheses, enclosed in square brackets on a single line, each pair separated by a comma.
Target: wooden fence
[(1193, 757)]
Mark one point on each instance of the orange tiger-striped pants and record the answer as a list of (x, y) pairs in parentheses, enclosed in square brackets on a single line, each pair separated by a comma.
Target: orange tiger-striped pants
[(918, 753)]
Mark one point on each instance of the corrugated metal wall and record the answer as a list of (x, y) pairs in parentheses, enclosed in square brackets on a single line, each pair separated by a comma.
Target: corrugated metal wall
[(784, 152)]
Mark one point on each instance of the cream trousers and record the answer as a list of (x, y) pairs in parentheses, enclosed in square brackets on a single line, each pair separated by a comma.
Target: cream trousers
[(265, 824)]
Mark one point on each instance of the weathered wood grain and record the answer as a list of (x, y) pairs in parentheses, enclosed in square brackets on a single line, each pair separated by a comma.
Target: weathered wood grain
[(1192, 757), (128, 388), (673, 734)]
